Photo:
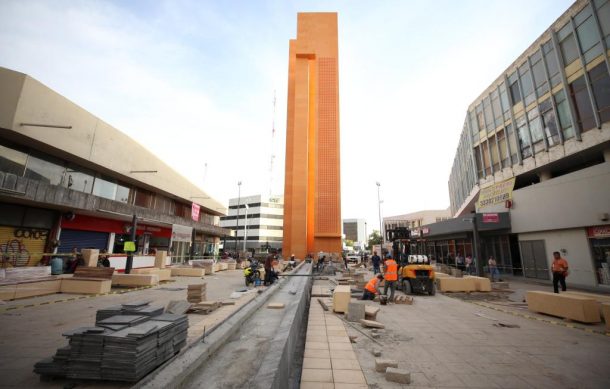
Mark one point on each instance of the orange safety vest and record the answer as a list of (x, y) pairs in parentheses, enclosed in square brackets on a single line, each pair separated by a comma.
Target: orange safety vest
[(371, 285), (391, 273)]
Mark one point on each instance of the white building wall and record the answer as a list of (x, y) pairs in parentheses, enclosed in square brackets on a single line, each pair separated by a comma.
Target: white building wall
[(577, 253)]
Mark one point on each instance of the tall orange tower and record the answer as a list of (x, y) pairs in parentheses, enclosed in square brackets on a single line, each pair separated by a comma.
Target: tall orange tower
[(312, 192)]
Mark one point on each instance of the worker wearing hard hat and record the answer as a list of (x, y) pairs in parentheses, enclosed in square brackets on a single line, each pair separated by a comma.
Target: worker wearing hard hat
[(391, 276), (372, 288)]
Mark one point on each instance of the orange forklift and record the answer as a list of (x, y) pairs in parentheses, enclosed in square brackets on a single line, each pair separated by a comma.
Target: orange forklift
[(415, 274)]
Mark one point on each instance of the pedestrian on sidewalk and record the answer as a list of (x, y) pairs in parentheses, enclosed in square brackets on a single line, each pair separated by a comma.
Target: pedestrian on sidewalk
[(391, 276), (376, 262), (494, 274), (559, 267), (372, 288), (468, 264)]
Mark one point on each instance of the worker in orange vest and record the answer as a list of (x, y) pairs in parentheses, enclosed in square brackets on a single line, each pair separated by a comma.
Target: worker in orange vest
[(372, 288), (391, 276)]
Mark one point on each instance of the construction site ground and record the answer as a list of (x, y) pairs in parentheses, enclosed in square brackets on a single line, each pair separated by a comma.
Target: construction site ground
[(32, 327)]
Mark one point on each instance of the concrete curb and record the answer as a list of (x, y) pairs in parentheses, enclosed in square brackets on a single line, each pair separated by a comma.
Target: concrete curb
[(275, 371), (174, 372)]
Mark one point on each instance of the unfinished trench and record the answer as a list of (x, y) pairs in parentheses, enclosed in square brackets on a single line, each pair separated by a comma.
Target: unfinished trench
[(257, 347)]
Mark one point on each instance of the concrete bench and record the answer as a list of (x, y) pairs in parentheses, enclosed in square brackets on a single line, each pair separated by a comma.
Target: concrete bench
[(482, 284), (85, 285), (188, 271), (135, 279), (164, 274), (450, 284), (578, 308)]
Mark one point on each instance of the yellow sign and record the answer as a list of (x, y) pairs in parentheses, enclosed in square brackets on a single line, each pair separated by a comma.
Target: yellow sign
[(496, 194), (129, 247)]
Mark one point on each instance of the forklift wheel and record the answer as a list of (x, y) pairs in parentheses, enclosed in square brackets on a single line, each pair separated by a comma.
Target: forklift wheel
[(406, 287), (433, 290)]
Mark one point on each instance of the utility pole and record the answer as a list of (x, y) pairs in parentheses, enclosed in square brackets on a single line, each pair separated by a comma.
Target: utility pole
[(271, 151), (237, 219)]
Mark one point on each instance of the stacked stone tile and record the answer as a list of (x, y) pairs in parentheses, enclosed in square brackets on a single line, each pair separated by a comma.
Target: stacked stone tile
[(122, 347), (196, 293)]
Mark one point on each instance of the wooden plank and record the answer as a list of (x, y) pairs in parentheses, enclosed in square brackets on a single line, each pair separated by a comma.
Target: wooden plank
[(94, 272)]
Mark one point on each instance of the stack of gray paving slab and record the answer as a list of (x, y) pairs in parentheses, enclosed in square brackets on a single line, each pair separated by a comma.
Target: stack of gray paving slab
[(123, 347)]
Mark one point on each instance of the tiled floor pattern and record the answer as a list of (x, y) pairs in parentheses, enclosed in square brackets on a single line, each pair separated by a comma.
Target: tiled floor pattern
[(329, 361)]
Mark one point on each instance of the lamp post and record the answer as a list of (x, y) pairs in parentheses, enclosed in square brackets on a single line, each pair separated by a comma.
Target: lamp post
[(237, 220), (246, 228), (366, 237), (476, 245), (380, 220)]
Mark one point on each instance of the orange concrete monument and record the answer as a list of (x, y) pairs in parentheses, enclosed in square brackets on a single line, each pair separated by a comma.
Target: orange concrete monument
[(312, 193)]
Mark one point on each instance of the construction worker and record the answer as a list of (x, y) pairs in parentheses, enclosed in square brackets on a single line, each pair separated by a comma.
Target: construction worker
[(391, 276), (372, 288)]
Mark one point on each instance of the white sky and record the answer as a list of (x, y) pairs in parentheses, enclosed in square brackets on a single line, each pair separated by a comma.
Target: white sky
[(193, 81)]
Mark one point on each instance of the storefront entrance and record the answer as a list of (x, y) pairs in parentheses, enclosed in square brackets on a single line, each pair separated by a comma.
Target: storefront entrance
[(599, 238)]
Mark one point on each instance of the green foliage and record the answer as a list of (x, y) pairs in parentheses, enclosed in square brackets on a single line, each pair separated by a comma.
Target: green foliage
[(374, 238)]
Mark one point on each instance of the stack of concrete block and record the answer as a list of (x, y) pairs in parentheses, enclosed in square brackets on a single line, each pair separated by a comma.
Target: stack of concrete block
[(90, 256), (196, 293), (161, 259), (578, 308), (370, 312), (341, 298), (482, 284), (231, 265)]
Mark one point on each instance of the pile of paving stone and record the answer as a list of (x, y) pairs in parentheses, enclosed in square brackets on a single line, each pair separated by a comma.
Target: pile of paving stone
[(121, 347)]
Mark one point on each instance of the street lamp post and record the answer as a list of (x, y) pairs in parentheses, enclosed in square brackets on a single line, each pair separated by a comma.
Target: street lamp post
[(237, 219), (380, 220), (246, 228)]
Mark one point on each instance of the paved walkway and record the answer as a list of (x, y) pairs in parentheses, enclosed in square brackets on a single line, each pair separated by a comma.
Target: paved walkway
[(33, 331), (445, 342)]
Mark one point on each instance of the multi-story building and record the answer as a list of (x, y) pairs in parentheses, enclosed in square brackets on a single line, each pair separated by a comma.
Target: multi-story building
[(69, 180), (542, 130), (415, 220), (258, 219), (355, 230)]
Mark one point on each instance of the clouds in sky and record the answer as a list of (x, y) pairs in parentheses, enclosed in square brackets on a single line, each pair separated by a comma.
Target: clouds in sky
[(193, 81)]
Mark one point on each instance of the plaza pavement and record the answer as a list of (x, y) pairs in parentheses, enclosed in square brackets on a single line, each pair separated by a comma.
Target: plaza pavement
[(31, 331)]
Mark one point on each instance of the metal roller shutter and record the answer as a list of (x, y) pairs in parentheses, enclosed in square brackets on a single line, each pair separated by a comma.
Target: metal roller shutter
[(82, 240), (22, 246)]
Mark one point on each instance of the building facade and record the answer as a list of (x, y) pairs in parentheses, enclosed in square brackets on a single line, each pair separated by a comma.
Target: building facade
[(69, 180), (312, 193), (545, 123), (415, 220), (258, 224), (355, 230)]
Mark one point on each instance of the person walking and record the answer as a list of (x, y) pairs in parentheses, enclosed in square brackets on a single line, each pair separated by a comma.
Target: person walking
[(372, 288), (391, 277), (376, 262), (559, 267), (494, 274), (468, 264)]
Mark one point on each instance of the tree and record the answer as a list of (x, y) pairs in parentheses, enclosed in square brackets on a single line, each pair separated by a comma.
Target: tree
[(348, 243), (374, 238)]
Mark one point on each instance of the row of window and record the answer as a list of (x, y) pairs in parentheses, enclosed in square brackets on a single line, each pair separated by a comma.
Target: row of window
[(264, 205), (253, 216), (53, 171), (259, 227), (525, 118)]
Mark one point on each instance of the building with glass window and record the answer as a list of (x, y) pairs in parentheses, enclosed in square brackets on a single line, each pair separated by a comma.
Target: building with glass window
[(69, 180), (355, 230), (257, 222), (544, 122)]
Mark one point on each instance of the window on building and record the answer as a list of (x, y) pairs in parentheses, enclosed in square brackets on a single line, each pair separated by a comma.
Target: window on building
[(515, 94), (104, 187), (473, 126), (496, 108), (603, 14), (477, 158), (512, 142), (486, 157), (549, 122), (527, 86), (600, 82), (584, 111), (504, 101), (524, 137), (533, 116), (539, 74), (588, 37), (12, 161), (78, 178), (143, 198), (567, 44), (489, 116), (551, 63), (48, 170), (163, 204), (495, 158), (480, 121), (122, 193), (502, 146), (563, 110)]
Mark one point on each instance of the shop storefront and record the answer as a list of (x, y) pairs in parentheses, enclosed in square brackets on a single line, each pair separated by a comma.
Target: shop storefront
[(84, 231), (181, 243), (599, 239), (25, 234)]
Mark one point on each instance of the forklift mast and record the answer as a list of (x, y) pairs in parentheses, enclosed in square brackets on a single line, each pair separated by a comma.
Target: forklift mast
[(400, 238)]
